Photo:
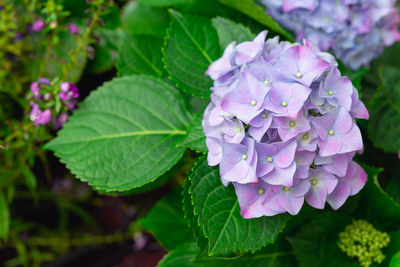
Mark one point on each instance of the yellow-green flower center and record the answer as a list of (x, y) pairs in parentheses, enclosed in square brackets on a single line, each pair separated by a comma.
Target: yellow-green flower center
[(286, 189)]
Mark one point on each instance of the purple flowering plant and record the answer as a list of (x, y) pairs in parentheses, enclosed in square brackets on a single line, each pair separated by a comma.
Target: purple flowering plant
[(201, 133), (357, 31), (295, 127)]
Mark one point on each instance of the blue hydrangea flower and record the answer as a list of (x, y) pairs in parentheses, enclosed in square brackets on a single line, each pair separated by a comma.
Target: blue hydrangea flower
[(356, 30)]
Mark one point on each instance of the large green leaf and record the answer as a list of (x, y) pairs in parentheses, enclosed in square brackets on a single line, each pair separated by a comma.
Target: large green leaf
[(395, 261), (165, 220), (191, 46), (393, 247), (138, 18), (165, 3), (195, 138), (384, 130), (191, 218), (229, 31), (140, 54), (315, 245), (181, 256), (4, 217), (381, 209), (219, 215), (124, 134), (270, 256), (256, 12)]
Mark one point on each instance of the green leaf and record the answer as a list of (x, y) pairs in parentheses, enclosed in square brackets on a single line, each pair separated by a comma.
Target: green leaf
[(111, 17), (393, 189), (191, 46), (270, 256), (195, 138), (138, 18), (167, 223), (395, 261), (390, 57), (105, 51), (220, 219), (258, 13), (190, 217), (165, 3), (76, 8), (124, 134), (180, 256), (140, 55), (30, 178), (384, 130), (4, 217), (382, 210), (229, 31), (392, 248), (315, 245)]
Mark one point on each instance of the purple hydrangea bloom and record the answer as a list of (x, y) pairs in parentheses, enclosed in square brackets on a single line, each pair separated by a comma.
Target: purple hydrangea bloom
[(357, 31), (38, 25), (68, 91), (281, 126), (39, 117)]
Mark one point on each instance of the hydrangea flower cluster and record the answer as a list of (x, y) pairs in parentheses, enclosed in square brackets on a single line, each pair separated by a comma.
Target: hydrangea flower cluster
[(281, 126), (356, 30), (361, 240), (62, 99)]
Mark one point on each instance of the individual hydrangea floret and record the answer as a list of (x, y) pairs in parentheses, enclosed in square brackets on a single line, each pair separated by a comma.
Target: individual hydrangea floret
[(362, 241), (281, 126), (357, 30)]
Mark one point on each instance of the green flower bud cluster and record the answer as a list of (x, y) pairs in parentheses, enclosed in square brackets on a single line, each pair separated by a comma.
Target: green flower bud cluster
[(362, 241)]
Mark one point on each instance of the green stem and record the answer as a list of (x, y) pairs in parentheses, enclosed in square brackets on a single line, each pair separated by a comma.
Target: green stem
[(84, 40)]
